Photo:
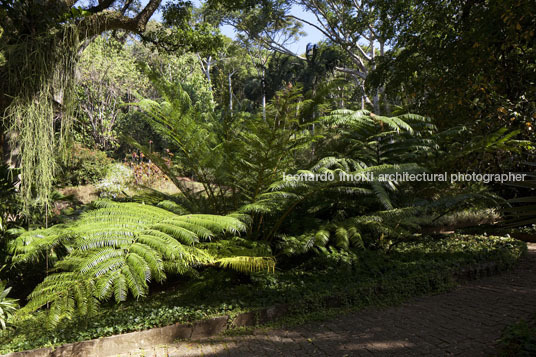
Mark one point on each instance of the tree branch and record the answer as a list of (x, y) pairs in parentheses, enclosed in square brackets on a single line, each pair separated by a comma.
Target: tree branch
[(101, 6), (113, 20), (126, 6), (354, 72)]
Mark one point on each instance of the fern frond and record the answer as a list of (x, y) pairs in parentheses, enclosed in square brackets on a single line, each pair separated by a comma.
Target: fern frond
[(247, 264), (172, 207), (117, 249)]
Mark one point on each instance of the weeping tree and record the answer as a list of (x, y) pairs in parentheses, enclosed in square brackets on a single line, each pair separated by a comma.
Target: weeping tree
[(39, 46)]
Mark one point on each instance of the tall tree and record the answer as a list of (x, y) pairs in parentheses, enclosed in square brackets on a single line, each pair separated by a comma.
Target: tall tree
[(358, 27), (40, 46), (107, 77), (465, 62)]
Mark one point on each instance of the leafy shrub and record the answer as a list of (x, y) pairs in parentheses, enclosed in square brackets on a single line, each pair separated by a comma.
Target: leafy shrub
[(7, 305), (84, 166), (518, 340), (410, 269), (117, 180)]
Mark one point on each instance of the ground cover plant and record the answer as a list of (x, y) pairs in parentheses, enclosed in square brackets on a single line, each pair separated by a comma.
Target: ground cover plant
[(412, 269), (152, 164), (518, 339)]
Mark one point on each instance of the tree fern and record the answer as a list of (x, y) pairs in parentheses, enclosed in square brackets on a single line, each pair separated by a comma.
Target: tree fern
[(234, 159), (117, 249), (376, 140)]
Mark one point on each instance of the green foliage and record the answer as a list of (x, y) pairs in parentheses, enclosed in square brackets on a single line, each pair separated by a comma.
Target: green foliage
[(485, 49), (283, 139), (488, 152), (354, 235), (518, 340), (40, 46), (368, 148), (330, 198), (375, 140), (30, 116), (7, 306), (116, 182), (116, 250), (183, 34), (83, 166), (107, 78), (177, 119), (259, 142), (223, 155), (410, 269)]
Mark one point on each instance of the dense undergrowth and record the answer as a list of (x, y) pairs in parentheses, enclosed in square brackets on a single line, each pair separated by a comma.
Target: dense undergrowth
[(237, 174), (518, 339), (377, 277)]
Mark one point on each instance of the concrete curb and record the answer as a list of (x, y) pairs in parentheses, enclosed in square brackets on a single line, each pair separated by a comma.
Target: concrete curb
[(117, 344)]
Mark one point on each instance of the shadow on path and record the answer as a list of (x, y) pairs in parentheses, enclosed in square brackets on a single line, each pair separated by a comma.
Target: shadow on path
[(466, 322)]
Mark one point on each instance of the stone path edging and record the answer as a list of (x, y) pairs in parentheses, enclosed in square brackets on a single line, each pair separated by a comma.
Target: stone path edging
[(114, 345), (117, 344)]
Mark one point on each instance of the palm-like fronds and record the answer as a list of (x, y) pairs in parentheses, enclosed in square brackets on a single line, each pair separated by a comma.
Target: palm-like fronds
[(355, 233), (347, 176), (234, 159), (501, 139), (373, 147), (247, 264), (376, 140), (118, 248)]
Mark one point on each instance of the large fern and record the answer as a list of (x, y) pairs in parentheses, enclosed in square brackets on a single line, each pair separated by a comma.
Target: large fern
[(376, 140), (365, 146), (118, 248), (326, 199), (234, 158)]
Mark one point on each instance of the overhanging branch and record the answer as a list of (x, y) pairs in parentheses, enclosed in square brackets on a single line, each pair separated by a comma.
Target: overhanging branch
[(108, 20)]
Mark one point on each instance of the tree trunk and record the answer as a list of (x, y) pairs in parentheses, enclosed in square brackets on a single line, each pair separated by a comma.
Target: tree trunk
[(376, 96), (263, 83), (11, 149), (229, 78), (22, 82)]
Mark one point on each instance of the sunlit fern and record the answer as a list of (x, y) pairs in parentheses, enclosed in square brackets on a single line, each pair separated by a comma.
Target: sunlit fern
[(118, 248), (375, 139)]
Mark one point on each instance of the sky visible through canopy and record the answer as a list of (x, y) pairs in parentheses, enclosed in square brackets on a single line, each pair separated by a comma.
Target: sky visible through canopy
[(312, 34)]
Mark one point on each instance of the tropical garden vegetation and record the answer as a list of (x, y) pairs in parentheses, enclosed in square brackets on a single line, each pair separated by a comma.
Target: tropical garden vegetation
[(155, 168)]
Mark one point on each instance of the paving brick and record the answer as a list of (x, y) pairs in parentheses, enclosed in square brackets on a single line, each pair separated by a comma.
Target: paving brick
[(465, 322)]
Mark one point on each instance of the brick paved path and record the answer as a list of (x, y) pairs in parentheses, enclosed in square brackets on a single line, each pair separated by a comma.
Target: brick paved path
[(465, 322)]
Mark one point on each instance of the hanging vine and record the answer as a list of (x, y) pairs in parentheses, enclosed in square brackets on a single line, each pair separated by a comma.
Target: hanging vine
[(38, 54), (40, 115)]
